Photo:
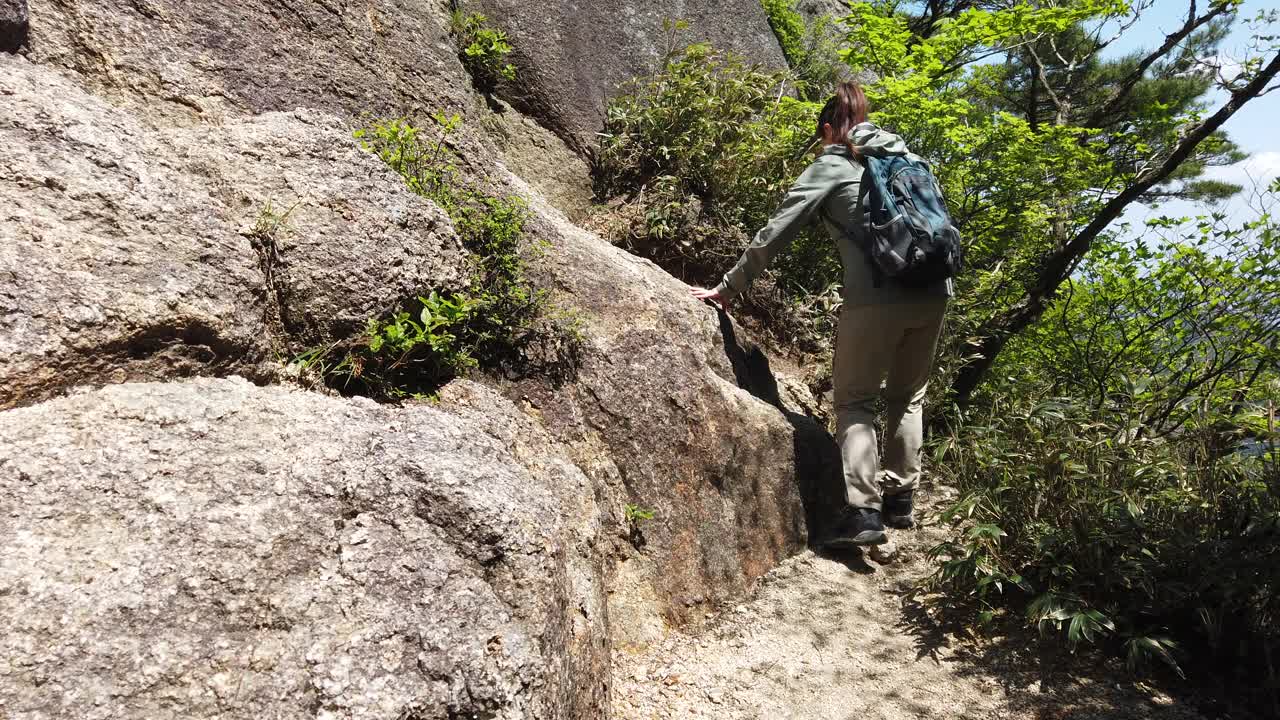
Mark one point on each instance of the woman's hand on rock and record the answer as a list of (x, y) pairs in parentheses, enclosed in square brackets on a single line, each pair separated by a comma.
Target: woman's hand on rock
[(712, 295)]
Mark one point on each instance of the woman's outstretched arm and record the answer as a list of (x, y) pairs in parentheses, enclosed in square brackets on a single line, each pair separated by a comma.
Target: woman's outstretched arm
[(803, 200)]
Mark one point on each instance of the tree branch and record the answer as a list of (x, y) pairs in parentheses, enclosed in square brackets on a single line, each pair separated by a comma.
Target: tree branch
[(1057, 266), (1171, 41), (1043, 77), (924, 26), (1240, 397)]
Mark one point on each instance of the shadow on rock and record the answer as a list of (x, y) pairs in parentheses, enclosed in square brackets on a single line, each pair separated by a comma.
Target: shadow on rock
[(817, 457)]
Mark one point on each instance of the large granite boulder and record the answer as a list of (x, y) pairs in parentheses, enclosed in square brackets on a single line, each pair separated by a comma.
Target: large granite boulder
[(214, 549), (138, 253), (175, 62), (834, 9), (573, 56), (681, 414), (206, 546)]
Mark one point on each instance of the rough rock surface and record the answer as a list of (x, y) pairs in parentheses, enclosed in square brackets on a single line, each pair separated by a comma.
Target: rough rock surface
[(572, 56), (13, 25), (187, 60), (683, 417), (130, 253), (544, 160), (143, 140), (214, 549), (828, 8)]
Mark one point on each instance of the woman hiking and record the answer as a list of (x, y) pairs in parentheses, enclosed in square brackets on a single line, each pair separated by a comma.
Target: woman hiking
[(886, 329)]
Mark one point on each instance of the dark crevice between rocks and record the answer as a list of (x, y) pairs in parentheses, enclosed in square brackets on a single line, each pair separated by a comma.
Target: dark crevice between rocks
[(187, 338), (180, 347), (524, 94), (276, 289), (13, 25), (177, 348), (817, 457)]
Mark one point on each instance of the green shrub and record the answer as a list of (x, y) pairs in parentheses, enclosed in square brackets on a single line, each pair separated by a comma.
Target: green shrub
[(406, 348), (714, 125), (425, 163), (1117, 487), (701, 153), (788, 26), (1164, 548), (499, 319), (483, 50), (812, 48)]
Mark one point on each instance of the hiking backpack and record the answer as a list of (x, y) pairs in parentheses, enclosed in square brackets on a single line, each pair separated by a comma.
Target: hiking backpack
[(908, 234)]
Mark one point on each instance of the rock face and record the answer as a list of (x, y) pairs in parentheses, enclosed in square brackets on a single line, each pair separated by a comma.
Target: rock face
[(131, 253), (200, 547), (13, 25), (829, 8), (215, 549), (186, 60), (680, 413), (572, 56)]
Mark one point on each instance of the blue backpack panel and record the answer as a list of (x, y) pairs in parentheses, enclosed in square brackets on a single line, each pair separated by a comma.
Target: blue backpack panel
[(909, 236)]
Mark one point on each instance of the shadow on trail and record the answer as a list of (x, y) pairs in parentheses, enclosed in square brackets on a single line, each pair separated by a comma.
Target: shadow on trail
[(854, 560), (1038, 677), (817, 457), (1011, 649), (1037, 673)]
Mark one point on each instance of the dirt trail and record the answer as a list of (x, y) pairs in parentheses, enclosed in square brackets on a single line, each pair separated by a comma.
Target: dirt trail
[(841, 637)]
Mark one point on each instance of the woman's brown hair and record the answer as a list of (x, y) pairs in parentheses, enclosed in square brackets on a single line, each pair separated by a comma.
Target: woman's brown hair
[(844, 111)]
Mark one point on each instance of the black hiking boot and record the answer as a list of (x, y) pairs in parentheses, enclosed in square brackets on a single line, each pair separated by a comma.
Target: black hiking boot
[(898, 510), (857, 527)]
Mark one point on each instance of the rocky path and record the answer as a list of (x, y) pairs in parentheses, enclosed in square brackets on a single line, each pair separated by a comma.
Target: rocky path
[(843, 637)]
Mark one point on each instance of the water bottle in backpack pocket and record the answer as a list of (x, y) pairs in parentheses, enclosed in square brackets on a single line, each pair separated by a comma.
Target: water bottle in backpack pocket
[(908, 234)]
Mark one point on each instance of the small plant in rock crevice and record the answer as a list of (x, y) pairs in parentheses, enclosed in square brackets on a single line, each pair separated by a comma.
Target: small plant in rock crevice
[(271, 223), (483, 50), (636, 516), (497, 319), (270, 228)]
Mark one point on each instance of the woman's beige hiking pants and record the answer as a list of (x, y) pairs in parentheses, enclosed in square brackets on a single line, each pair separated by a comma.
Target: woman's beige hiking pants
[(873, 341)]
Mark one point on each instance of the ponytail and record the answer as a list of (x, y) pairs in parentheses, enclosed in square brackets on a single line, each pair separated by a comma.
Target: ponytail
[(844, 111)]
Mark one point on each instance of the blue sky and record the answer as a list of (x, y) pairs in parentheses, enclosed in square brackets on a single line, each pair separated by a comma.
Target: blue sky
[(1256, 127)]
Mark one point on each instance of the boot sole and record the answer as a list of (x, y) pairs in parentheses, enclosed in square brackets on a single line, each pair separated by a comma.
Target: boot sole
[(900, 522), (862, 539)]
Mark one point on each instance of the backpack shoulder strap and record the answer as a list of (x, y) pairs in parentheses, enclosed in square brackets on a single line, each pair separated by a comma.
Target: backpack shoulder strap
[(860, 224)]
